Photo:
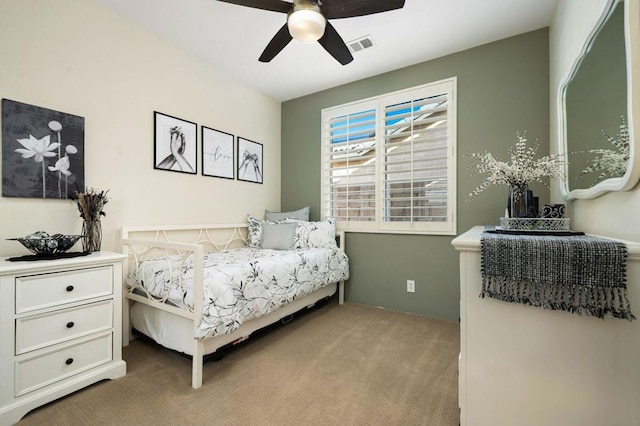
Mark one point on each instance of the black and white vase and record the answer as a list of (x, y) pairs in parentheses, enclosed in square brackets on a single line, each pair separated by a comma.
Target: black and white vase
[(518, 202)]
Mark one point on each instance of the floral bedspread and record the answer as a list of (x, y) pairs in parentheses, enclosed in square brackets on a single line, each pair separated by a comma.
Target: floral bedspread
[(245, 283)]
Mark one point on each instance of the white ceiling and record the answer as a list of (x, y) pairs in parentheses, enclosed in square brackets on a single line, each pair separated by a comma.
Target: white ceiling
[(232, 37)]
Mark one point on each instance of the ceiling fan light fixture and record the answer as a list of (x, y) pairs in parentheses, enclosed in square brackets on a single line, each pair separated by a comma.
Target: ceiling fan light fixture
[(310, 20), (306, 24)]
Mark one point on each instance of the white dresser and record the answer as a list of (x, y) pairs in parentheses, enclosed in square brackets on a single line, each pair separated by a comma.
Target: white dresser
[(528, 366), (60, 328)]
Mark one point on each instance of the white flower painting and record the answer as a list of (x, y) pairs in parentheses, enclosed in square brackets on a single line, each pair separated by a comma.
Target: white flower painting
[(42, 152)]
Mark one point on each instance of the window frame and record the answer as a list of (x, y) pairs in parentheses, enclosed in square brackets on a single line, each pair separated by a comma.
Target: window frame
[(379, 103)]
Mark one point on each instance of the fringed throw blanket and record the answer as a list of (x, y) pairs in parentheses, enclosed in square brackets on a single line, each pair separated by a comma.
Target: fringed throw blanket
[(579, 274)]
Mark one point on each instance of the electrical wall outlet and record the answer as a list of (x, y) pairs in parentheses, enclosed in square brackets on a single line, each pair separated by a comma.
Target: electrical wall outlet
[(411, 286)]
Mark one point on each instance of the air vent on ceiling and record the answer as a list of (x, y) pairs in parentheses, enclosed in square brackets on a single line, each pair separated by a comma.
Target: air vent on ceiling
[(360, 44)]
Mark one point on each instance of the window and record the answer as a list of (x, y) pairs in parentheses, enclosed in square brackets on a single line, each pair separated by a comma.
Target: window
[(388, 163)]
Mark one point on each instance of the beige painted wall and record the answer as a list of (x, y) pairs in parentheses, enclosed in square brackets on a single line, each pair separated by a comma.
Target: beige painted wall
[(77, 57), (613, 214)]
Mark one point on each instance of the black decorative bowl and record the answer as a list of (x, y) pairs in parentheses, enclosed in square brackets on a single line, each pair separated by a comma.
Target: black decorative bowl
[(44, 244)]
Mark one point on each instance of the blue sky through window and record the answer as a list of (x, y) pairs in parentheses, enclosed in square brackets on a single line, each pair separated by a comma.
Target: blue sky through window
[(347, 125), (355, 126)]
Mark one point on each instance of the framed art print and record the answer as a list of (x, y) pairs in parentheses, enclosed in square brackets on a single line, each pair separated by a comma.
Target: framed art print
[(175, 144), (42, 152), (217, 153), (249, 160)]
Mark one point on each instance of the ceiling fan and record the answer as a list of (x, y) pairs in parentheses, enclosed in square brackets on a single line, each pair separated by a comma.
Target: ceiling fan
[(307, 20)]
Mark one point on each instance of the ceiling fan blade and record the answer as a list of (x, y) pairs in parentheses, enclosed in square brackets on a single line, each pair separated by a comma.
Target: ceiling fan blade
[(336, 9), (277, 43), (333, 43), (272, 5)]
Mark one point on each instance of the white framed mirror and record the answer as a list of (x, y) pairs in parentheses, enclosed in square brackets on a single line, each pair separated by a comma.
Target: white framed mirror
[(596, 104)]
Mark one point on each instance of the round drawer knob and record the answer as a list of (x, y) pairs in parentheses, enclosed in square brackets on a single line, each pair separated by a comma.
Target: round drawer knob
[(69, 288), (70, 324), (69, 361)]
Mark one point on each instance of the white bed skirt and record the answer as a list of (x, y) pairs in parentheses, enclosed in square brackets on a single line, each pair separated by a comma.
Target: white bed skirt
[(175, 332)]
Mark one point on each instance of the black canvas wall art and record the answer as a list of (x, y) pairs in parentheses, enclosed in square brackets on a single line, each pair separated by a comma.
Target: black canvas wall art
[(42, 152)]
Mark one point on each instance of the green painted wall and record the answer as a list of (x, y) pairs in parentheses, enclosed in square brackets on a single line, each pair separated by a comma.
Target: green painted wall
[(503, 87)]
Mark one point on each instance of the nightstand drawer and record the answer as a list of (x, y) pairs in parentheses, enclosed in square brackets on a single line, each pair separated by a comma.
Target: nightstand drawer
[(42, 291), (38, 331), (52, 366)]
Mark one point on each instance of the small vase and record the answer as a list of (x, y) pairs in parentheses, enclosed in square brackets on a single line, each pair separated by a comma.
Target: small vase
[(92, 232), (518, 205)]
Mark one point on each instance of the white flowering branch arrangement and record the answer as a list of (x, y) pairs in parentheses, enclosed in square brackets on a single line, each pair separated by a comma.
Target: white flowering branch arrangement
[(522, 170), (611, 162)]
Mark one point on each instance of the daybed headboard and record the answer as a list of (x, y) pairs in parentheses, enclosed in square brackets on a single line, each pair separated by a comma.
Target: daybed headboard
[(211, 237)]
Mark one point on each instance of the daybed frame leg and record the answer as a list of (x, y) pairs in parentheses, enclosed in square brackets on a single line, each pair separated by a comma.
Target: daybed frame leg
[(196, 368), (126, 322), (341, 292)]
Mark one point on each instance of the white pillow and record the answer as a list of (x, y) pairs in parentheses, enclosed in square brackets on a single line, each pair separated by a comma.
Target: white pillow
[(316, 234), (254, 232)]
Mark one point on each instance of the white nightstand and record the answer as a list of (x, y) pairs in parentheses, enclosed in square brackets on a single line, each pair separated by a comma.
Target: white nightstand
[(60, 328)]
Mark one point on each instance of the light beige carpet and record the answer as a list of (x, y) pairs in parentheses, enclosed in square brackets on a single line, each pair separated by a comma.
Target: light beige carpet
[(337, 365)]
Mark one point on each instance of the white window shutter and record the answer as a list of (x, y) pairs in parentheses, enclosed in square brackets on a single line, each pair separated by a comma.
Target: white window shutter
[(389, 162), (349, 163)]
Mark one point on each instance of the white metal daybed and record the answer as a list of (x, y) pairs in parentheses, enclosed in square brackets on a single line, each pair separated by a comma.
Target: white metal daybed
[(237, 289)]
